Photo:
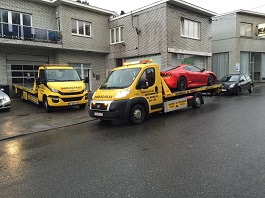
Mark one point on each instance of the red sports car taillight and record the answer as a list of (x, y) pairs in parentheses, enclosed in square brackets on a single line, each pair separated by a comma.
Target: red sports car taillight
[(166, 74)]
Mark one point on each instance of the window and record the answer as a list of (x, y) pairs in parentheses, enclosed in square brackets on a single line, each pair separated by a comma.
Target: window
[(194, 69), (246, 29), (190, 29), (81, 28), (15, 18), (116, 35)]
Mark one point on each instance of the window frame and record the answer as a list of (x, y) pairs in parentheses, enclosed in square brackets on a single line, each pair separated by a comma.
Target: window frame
[(116, 35), (188, 29), (77, 25), (245, 30), (10, 19)]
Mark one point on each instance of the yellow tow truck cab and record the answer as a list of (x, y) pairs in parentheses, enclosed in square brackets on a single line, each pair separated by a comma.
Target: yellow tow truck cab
[(136, 89), (55, 86)]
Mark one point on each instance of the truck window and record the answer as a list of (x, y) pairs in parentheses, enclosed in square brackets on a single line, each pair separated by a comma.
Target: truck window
[(42, 76), (148, 76), (121, 78), (55, 75)]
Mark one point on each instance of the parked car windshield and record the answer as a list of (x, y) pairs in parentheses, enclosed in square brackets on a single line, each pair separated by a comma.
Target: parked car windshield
[(120, 78), (55, 75), (230, 78)]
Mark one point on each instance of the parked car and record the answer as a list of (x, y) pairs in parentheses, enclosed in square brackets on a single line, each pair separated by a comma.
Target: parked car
[(5, 101), (236, 83), (183, 77)]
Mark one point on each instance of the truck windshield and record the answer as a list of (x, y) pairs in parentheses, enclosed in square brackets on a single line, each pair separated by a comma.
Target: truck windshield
[(120, 78), (55, 75)]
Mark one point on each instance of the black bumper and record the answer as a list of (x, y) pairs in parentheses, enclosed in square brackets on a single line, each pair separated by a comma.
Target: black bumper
[(117, 110)]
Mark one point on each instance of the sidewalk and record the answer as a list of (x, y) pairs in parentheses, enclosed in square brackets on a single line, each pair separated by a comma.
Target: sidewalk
[(25, 117)]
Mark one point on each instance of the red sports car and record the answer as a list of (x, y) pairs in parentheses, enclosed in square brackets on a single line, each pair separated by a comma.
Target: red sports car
[(183, 77)]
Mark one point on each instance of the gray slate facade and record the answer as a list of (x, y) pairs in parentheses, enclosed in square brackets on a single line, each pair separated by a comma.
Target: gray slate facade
[(81, 51), (155, 31), (160, 35), (236, 46)]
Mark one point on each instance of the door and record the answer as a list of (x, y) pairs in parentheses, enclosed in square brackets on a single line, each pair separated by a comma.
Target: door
[(151, 92), (86, 73)]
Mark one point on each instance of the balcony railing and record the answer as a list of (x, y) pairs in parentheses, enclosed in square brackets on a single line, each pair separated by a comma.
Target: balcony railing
[(14, 31)]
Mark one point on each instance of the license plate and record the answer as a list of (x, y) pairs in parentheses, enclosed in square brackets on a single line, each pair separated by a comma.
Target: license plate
[(98, 114), (223, 89), (72, 103)]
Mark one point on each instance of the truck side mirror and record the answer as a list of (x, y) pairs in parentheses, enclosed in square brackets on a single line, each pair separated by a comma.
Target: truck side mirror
[(143, 84), (37, 81), (86, 80)]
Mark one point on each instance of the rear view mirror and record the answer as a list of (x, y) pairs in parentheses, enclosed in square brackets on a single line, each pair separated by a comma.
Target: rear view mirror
[(86, 80), (37, 81)]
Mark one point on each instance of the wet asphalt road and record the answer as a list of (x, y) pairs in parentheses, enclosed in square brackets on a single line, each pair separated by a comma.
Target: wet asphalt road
[(215, 151)]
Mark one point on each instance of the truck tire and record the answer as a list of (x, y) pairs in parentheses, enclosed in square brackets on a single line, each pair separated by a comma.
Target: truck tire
[(197, 101), (82, 106), (46, 105), (21, 96), (137, 114)]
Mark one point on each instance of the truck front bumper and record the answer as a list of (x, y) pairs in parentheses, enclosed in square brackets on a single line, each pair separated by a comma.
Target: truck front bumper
[(57, 101), (108, 110)]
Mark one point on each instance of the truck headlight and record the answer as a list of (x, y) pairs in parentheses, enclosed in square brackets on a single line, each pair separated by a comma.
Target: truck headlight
[(231, 86), (122, 93), (54, 90)]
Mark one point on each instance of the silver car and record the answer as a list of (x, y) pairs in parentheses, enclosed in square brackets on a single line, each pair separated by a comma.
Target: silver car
[(5, 101)]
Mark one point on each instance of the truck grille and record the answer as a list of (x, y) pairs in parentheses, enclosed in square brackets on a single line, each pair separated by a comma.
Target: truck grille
[(72, 93), (72, 99)]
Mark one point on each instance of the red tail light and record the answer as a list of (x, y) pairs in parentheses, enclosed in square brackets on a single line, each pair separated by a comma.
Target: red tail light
[(167, 74)]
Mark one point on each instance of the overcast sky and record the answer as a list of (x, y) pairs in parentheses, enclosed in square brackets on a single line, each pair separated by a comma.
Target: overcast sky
[(220, 6)]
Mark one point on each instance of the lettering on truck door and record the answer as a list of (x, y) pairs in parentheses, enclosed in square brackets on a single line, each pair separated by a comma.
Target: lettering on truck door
[(151, 91)]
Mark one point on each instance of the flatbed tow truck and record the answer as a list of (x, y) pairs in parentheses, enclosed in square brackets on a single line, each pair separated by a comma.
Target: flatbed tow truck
[(55, 86), (136, 90)]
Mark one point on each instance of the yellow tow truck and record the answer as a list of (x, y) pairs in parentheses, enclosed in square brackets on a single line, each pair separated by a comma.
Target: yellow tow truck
[(55, 86), (136, 89)]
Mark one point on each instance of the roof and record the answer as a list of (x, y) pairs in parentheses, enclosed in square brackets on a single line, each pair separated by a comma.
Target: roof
[(246, 12), (178, 3), (77, 5)]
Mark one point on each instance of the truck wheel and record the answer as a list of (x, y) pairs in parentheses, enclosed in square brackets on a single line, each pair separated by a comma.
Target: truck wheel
[(197, 101), (82, 106), (137, 114), (21, 96), (46, 106)]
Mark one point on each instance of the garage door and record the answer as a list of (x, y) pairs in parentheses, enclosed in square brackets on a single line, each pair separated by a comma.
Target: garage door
[(23, 68)]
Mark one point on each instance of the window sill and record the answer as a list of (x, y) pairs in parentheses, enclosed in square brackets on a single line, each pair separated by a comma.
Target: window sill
[(80, 35)]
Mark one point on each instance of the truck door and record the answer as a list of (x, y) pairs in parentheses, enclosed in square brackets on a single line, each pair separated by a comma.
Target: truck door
[(151, 90)]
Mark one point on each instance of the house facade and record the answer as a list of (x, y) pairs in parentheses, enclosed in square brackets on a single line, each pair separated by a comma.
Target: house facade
[(237, 45), (170, 32), (38, 32), (92, 40)]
